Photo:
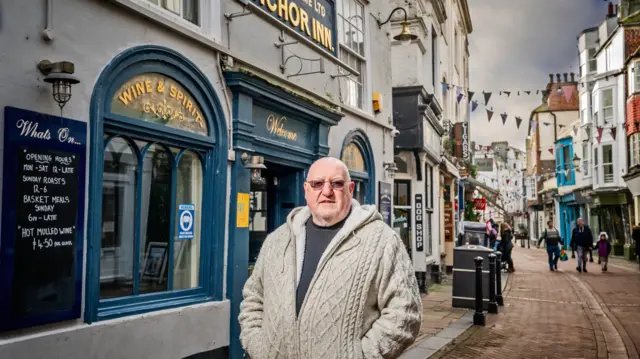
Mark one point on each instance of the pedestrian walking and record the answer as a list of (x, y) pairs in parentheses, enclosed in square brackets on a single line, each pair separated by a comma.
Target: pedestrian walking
[(604, 249), (551, 236), (334, 281), (582, 243), (506, 246), (635, 235)]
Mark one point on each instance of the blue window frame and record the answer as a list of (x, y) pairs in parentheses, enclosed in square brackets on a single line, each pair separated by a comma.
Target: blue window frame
[(356, 149), (141, 171), (565, 172)]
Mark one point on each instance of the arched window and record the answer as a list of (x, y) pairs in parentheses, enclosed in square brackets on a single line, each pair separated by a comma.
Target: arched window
[(158, 167), (358, 156)]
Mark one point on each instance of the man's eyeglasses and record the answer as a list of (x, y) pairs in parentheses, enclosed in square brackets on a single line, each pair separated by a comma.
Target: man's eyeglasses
[(336, 185)]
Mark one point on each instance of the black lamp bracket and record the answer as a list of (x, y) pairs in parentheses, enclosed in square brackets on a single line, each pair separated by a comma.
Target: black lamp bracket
[(391, 14)]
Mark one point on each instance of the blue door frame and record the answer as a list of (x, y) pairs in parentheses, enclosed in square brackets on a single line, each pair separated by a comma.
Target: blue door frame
[(569, 213), (253, 101)]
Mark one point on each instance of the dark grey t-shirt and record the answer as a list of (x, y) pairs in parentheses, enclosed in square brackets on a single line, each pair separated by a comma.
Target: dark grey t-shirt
[(318, 238)]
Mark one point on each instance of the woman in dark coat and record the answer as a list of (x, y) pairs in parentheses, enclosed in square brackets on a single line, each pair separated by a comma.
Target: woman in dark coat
[(635, 235), (506, 246)]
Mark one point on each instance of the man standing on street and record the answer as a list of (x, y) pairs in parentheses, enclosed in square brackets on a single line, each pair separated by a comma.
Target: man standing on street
[(552, 237), (333, 282), (582, 241)]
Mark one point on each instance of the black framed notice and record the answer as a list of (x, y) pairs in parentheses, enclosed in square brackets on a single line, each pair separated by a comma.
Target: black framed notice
[(43, 192), (419, 212), (384, 201)]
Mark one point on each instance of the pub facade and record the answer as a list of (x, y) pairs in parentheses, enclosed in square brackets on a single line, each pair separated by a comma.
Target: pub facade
[(149, 147)]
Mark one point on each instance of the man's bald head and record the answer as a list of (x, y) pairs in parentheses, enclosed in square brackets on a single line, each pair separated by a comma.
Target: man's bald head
[(328, 191), (328, 163)]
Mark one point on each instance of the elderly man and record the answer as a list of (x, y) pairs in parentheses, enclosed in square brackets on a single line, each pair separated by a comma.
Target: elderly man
[(333, 282), (582, 241)]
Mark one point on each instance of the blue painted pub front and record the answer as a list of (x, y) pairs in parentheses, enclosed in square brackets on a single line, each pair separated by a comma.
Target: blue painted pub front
[(287, 134)]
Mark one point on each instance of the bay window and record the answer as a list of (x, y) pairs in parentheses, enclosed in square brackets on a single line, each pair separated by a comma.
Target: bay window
[(607, 106), (592, 62), (607, 163), (352, 51), (634, 150), (636, 82), (585, 159)]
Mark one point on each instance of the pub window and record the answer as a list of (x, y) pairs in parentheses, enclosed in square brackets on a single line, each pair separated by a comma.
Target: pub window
[(154, 237), (351, 41), (186, 9), (353, 158)]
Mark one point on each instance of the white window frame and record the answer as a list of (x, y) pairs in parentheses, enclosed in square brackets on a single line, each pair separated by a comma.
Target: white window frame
[(636, 71), (585, 160), (349, 84), (611, 164), (209, 26), (592, 61), (634, 149), (607, 119)]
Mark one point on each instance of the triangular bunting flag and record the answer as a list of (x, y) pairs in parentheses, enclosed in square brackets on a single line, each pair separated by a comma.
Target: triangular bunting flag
[(613, 133), (575, 130), (444, 88), (561, 126), (504, 118), (508, 180), (508, 93), (518, 93), (500, 93), (459, 97), (474, 105), (534, 124), (458, 91), (537, 92), (518, 122), (528, 92), (487, 96), (547, 123), (471, 95), (551, 150), (568, 92), (599, 134), (489, 114)]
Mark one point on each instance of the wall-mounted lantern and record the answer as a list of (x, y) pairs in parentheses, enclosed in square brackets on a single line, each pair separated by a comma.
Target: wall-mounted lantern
[(60, 76), (390, 168), (256, 165), (575, 160), (405, 36)]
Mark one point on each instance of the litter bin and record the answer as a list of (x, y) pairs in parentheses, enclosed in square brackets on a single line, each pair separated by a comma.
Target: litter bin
[(464, 276)]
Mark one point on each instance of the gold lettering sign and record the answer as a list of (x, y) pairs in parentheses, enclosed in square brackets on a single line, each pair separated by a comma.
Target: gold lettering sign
[(275, 126), (159, 99), (352, 157)]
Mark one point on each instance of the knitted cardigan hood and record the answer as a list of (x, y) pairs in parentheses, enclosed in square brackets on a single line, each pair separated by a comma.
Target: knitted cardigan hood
[(363, 300)]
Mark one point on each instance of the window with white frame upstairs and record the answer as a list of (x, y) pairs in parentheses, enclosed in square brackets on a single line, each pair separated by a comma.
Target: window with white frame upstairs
[(592, 62), (186, 9), (607, 163), (634, 150), (352, 51), (585, 159), (607, 106), (636, 71)]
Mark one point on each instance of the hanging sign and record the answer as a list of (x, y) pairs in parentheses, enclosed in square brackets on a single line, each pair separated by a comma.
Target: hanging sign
[(465, 140), (186, 221), (313, 19), (41, 253), (480, 204), (384, 201), (419, 228)]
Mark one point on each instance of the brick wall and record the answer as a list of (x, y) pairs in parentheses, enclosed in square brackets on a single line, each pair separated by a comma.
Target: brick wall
[(633, 115), (557, 100), (631, 41)]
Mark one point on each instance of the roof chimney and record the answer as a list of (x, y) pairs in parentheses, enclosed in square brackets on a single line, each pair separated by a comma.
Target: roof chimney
[(550, 78), (558, 77), (573, 77), (565, 77), (610, 10)]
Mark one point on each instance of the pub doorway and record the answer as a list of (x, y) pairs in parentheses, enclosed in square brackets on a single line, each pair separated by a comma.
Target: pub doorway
[(270, 202)]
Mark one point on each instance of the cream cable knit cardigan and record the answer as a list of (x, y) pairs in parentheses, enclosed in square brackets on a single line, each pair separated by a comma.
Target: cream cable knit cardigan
[(363, 301)]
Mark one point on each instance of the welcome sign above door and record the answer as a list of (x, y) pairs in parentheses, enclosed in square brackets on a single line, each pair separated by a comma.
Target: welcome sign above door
[(280, 128), (313, 19)]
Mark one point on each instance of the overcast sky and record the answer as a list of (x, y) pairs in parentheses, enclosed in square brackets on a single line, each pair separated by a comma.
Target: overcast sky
[(514, 46)]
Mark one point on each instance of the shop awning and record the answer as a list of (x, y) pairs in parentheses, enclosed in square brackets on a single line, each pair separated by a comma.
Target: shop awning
[(472, 182)]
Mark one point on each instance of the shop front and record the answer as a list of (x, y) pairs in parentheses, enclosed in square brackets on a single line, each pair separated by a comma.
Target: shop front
[(569, 213), (276, 137), (146, 168), (610, 213)]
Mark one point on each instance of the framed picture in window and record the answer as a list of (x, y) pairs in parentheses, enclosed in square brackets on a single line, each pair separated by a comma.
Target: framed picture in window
[(155, 261)]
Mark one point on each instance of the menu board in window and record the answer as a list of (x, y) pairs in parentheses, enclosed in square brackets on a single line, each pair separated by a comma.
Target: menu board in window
[(41, 247)]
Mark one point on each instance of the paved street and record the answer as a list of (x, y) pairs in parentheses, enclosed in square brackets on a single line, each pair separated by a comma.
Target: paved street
[(559, 315)]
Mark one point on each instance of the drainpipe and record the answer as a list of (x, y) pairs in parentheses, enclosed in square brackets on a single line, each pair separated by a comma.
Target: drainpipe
[(47, 33), (555, 128)]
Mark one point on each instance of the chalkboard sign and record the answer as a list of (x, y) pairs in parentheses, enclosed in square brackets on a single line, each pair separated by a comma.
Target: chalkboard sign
[(42, 219)]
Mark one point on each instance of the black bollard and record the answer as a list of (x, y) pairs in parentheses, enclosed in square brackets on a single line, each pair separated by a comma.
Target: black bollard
[(529, 243), (499, 299), (478, 316), (493, 306)]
